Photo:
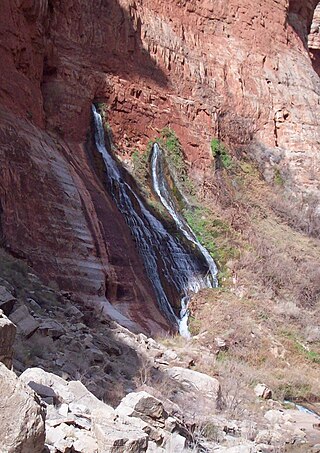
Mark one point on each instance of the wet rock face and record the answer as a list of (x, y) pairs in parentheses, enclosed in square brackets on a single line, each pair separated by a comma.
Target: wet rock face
[(208, 68)]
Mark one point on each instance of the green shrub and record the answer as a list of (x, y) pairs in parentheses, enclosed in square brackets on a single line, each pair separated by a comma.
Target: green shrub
[(141, 165), (278, 179), (219, 151), (194, 325), (175, 157), (208, 230)]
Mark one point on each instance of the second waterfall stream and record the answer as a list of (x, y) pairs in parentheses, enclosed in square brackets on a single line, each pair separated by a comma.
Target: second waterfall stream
[(169, 264)]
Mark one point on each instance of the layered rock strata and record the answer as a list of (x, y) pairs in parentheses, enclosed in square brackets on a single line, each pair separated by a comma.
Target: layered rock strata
[(239, 70)]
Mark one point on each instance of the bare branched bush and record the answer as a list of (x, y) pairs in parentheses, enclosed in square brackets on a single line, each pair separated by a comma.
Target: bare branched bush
[(281, 273), (144, 373), (303, 216), (201, 433), (234, 388)]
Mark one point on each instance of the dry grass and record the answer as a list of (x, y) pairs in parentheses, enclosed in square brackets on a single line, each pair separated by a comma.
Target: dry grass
[(269, 308)]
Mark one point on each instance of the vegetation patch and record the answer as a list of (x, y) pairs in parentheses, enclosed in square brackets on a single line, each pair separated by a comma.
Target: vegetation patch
[(278, 179), (298, 347), (169, 141), (215, 235), (140, 163), (220, 152)]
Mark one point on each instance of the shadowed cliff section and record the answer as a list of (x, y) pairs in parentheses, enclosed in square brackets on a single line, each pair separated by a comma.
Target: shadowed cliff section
[(89, 42), (300, 15)]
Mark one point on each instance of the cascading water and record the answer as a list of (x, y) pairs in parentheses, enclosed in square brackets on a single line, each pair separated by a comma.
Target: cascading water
[(165, 258), (161, 188)]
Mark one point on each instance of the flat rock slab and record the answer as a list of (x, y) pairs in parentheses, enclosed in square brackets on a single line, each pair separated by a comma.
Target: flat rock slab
[(51, 328), (142, 403), (26, 324), (308, 423), (73, 392), (194, 381), (113, 436)]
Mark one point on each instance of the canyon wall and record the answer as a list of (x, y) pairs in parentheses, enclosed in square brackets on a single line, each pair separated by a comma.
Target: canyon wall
[(314, 40), (240, 70)]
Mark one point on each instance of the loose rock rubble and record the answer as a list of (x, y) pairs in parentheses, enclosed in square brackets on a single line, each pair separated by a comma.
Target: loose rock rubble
[(106, 389), (75, 417)]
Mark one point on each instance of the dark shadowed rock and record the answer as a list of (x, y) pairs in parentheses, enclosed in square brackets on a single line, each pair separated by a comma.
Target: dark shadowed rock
[(26, 324), (7, 335), (7, 300)]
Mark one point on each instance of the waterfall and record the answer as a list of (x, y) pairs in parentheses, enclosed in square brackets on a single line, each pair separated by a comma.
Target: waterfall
[(168, 264), (161, 188)]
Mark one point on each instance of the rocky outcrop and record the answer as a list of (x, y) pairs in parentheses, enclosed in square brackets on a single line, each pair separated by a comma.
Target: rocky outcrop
[(7, 336), (7, 300), (195, 381), (22, 430), (240, 84), (314, 39), (25, 323), (21, 417), (163, 406), (77, 420), (314, 36)]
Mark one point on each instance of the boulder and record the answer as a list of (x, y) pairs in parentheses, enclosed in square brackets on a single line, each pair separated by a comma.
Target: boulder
[(175, 444), (7, 335), (128, 416), (73, 392), (85, 443), (82, 396), (221, 344), (26, 324), (170, 355), (51, 328), (7, 300), (280, 417), (38, 377), (154, 448), (115, 437), (141, 404), (21, 416), (43, 390), (262, 391), (73, 312), (194, 381)]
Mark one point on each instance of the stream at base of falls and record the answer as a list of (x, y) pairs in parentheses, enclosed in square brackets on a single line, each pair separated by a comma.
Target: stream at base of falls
[(168, 262)]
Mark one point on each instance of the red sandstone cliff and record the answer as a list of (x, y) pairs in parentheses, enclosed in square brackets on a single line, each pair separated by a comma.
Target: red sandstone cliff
[(238, 69)]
